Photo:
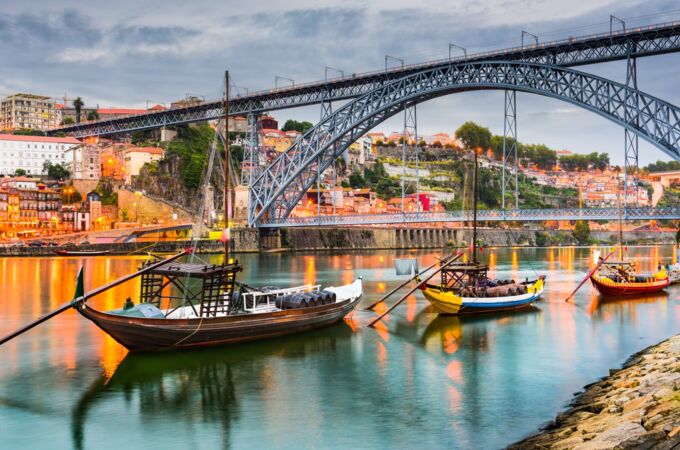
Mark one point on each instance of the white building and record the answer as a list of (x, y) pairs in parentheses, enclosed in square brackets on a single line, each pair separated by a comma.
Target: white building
[(30, 152), (136, 157)]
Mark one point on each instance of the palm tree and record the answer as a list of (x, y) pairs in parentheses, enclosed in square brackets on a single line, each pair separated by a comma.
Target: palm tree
[(78, 104)]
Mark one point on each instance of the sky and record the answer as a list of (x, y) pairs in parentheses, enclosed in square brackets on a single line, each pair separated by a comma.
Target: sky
[(130, 53)]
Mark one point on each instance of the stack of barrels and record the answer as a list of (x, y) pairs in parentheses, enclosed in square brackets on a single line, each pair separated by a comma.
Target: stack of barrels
[(306, 299)]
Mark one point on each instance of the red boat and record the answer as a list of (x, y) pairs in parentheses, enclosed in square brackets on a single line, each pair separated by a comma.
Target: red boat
[(81, 253), (619, 278)]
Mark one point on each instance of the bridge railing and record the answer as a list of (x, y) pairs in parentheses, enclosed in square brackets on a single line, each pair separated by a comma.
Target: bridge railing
[(629, 213)]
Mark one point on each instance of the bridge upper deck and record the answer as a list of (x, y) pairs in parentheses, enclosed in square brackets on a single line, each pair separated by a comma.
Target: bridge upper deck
[(603, 47)]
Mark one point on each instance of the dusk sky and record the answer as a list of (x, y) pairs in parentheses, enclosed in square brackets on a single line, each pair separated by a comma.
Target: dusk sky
[(122, 54)]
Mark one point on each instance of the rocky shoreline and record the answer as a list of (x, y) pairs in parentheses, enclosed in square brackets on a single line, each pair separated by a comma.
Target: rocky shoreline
[(636, 407)]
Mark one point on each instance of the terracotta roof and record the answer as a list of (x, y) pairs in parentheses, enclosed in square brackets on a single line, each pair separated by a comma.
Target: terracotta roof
[(47, 139)]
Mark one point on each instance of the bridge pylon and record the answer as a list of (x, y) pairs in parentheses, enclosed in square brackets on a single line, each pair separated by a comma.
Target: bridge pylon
[(510, 160), (631, 161)]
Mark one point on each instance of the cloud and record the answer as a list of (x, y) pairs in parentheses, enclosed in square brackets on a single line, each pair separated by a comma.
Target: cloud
[(126, 52)]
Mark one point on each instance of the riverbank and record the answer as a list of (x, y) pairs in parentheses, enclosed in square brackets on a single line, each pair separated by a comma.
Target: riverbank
[(636, 407), (253, 240)]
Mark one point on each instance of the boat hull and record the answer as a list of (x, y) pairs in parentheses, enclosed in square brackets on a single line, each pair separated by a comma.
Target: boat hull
[(148, 334), (610, 288), (82, 253), (447, 302)]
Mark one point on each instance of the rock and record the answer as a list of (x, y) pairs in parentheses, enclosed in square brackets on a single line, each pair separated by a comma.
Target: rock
[(649, 423), (674, 432), (635, 403), (642, 442), (613, 371), (614, 436), (589, 436), (662, 393), (614, 409), (622, 401)]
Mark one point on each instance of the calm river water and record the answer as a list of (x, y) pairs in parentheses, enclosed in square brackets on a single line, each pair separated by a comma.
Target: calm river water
[(419, 381)]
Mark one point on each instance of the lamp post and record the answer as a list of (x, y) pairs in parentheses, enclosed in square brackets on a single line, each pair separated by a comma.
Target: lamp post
[(138, 194)]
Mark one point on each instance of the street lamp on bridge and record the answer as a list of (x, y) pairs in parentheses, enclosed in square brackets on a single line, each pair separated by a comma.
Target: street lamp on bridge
[(526, 33), (393, 58), (458, 47), (277, 78)]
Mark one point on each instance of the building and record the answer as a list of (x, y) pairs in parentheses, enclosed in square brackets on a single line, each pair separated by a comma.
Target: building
[(238, 124), (36, 112), (28, 207), (115, 113), (268, 122), (136, 157), (83, 162), (30, 152)]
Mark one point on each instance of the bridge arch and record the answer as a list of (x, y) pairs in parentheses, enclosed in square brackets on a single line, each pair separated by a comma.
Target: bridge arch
[(283, 183)]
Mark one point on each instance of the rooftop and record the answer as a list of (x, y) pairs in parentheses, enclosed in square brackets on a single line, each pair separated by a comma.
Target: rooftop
[(48, 139)]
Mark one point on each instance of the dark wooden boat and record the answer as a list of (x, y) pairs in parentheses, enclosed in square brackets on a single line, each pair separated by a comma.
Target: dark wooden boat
[(62, 252), (211, 313)]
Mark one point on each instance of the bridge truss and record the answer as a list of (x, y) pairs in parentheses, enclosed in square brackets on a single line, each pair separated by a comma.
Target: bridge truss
[(603, 47), (495, 215), (283, 183)]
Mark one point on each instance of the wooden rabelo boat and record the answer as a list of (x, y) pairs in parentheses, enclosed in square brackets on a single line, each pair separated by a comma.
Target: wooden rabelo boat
[(184, 305), (63, 252), (619, 278), (466, 289), (212, 312)]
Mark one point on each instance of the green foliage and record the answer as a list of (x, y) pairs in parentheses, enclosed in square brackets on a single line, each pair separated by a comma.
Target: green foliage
[(106, 191), (68, 121), (593, 160), (356, 181), (55, 171), (93, 115), (124, 215), (297, 126), (473, 135), (20, 173), (582, 232), (663, 166), (541, 239), (28, 132), (191, 146), (78, 104)]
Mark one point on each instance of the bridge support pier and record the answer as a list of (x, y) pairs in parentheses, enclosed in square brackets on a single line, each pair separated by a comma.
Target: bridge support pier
[(410, 135), (631, 163), (510, 148), (252, 158)]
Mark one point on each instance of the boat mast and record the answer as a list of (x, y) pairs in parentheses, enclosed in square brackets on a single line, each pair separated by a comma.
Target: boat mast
[(227, 158), (474, 213)]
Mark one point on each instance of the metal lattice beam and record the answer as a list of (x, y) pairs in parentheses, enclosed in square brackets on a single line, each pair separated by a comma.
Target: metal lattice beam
[(487, 215), (604, 47), (510, 162), (278, 190)]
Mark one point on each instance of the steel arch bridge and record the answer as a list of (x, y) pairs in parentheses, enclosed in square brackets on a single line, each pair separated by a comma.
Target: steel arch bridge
[(283, 183)]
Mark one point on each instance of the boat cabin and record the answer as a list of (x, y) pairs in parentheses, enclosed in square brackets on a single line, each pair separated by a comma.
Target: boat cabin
[(207, 288), (473, 276)]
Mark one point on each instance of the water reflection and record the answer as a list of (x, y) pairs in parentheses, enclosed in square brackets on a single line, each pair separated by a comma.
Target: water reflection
[(463, 382), (201, 386)]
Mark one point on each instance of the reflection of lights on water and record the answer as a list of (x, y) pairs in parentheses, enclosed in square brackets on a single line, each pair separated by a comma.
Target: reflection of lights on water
[(380, 327), (411, 308), (449, 342), (381, 287), (454, 370)]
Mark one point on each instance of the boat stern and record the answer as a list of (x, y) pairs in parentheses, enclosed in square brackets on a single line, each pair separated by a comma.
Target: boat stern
[(443, 301)]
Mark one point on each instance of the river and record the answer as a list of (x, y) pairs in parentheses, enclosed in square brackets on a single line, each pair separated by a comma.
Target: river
[(417, 381)]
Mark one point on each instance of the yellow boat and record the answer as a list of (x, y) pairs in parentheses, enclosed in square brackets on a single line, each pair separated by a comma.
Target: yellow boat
[(487, 297)]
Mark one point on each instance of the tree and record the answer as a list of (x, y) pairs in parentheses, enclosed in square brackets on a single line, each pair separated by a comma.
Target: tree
[(93, 115), (582, 232), (356, 181), (379, 143), (68, 121), (294, 125), (124, 215), (28, 132), (20, 173), (473, 135), (422, 143), (55, 171), (78, 104)]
